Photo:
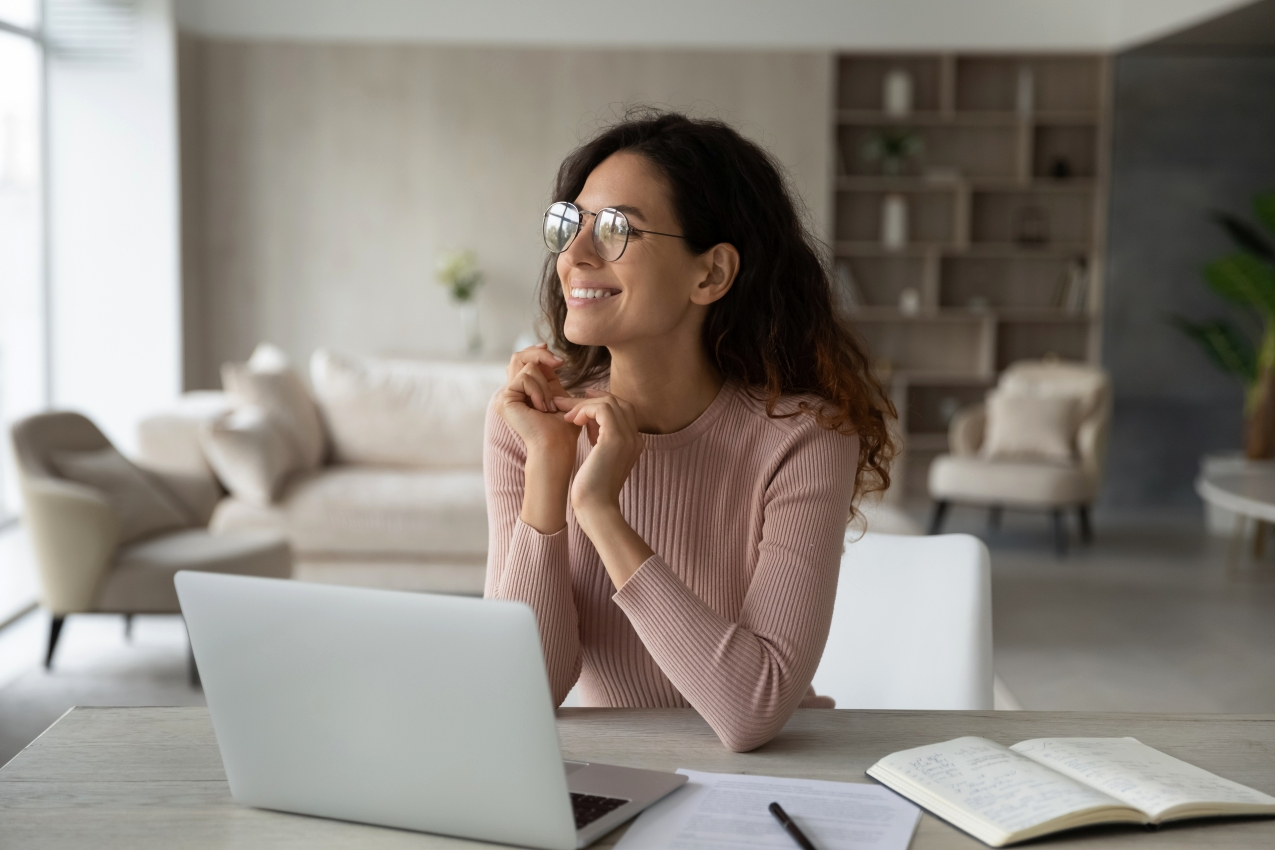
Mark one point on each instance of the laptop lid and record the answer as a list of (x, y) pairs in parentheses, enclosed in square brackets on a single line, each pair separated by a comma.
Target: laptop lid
[(411, 710)]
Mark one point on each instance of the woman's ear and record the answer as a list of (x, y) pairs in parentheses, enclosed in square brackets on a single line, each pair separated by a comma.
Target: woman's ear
[(723, 265)]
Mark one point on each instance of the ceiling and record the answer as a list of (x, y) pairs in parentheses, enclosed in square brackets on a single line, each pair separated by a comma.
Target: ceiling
[(722, 24)]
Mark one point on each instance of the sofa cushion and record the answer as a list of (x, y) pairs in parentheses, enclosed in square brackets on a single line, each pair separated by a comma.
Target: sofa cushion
[(998, 482), (373, 510), (143, 506), (267, 381), (249, 451), (404, 412)]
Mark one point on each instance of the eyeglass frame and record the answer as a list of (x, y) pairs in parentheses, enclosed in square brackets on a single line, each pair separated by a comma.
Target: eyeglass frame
[(583, 212)]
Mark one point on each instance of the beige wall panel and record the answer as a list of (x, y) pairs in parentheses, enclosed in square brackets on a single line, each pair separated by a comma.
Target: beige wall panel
[(323, 180)]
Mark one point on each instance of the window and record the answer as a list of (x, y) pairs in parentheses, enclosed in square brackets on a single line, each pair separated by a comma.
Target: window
[(22, 290)]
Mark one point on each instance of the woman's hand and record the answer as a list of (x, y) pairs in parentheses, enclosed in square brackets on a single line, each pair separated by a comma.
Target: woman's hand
[(526, 404), (612, 428), (595, 493)]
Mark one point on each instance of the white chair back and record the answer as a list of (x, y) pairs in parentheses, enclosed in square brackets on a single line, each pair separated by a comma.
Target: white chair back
[(912, 626)]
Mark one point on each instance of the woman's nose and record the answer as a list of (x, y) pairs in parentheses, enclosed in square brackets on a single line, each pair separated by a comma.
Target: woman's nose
[(581, 251)]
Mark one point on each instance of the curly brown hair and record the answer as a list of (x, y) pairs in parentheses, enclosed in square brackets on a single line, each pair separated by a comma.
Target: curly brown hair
[(777, 331)]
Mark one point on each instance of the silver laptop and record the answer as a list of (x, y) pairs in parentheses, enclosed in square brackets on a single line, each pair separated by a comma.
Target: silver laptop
[(408, 710)]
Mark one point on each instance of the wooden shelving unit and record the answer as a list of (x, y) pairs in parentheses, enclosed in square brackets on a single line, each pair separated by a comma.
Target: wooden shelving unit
[(993, 231)]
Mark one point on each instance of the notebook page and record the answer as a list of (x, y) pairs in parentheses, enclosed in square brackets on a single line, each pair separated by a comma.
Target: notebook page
[(992, 782), (722, 811), (1141, 776)]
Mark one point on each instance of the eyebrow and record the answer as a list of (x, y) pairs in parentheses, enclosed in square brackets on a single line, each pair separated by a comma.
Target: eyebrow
[(627, 209)]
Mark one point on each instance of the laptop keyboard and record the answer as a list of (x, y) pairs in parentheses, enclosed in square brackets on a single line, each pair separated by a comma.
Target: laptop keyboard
[(589, 807)]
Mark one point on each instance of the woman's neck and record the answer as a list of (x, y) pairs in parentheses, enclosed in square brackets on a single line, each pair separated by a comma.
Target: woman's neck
[(669, 386)]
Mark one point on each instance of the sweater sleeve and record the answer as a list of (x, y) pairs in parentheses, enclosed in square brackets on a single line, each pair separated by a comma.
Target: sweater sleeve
[(747, 677), (524, 565)]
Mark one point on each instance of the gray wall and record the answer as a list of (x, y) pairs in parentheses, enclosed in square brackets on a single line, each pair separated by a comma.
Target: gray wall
[(321, 181), (1194, 131)]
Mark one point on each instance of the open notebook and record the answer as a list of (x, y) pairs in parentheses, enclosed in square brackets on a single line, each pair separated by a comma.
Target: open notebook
[(1002, 795)]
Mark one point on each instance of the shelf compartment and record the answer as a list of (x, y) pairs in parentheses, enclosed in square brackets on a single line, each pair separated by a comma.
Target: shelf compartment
[(881, 279), (861, 81), (944, 347), (1022, 282), (1077, 145), (996, 217), (1061, 84), (976, 151), (1029, 340), (930, 408), (931, 217)]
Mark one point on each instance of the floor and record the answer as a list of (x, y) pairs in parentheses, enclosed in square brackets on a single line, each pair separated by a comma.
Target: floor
[(1146, 619)]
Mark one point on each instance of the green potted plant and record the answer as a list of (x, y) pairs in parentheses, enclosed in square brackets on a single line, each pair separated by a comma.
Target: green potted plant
[(1246, 277), (458, 271), (892, 148)]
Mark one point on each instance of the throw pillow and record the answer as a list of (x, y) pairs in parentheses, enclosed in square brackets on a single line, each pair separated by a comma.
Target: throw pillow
[(249, 451), (143, 505), (1024, 427), (404, 412), (268, 382)]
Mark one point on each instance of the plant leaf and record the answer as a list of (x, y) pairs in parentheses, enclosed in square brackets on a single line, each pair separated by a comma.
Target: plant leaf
[(1264, 206), (1224, 343), (1245, 235), (1244, 280)]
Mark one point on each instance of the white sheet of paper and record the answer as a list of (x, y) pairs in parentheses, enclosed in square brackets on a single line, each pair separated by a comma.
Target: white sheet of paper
[(714, 811)]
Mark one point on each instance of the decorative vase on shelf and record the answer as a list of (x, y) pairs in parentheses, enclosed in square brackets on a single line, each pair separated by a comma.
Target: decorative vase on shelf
[(896, 93), (894, 222), (458, 271), (1025, 91)]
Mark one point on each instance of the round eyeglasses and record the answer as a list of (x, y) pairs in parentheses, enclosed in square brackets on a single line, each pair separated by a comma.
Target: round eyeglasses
[(611, 229)]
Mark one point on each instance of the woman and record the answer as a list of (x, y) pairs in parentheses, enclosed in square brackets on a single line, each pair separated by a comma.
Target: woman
[(677, 525)]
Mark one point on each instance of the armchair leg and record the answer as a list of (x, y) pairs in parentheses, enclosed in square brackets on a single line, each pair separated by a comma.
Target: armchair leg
[(936, 519), (994, 519), (1086, 529), (55, 629), (1060, 533), (128, 627)]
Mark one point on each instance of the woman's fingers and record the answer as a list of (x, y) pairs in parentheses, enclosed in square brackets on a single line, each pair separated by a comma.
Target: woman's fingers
[(539, 354), (532, 382)]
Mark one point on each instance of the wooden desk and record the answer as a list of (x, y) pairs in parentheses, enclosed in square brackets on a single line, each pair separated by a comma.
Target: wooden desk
[(152, 777)]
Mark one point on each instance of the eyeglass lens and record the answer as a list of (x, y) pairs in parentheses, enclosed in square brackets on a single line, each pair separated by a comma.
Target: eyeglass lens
[(610, 230)]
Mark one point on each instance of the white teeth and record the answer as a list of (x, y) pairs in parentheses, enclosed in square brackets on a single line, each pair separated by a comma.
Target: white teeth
[(591, 293)]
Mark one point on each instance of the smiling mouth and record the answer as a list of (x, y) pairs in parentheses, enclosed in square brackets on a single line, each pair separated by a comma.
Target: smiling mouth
[(593, 293)]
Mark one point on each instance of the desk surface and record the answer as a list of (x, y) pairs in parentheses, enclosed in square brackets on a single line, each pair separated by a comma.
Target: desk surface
[(152, 777)]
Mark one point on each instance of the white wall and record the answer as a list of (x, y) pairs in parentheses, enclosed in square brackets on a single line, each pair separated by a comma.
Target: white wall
[(114, 230), (1084, 25), (323, 180)]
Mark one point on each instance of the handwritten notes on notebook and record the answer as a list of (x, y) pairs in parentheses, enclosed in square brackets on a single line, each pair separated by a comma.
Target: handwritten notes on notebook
[(1003, 795), (1139, 776), (714, 811)]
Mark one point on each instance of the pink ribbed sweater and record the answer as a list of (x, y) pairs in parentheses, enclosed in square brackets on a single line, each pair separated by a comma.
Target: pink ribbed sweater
[(746, 514)]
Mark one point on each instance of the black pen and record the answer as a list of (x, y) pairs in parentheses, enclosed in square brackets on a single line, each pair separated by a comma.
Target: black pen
[(795, 831)]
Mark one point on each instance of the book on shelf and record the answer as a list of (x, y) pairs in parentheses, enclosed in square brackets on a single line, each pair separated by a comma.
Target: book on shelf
[(851, 294), (1003, 795), (1073, 289)]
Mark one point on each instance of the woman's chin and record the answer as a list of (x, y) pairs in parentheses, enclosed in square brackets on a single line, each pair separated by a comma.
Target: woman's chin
[(581, 333)]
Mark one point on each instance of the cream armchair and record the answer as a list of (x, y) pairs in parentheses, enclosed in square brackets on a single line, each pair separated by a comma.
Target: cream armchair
[(967, 475), (75, 532)]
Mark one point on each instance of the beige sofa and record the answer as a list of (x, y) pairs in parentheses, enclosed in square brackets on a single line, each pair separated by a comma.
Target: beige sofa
[(396, 498)]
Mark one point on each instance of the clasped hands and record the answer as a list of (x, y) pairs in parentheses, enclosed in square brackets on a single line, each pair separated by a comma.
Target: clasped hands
[(548, 419)]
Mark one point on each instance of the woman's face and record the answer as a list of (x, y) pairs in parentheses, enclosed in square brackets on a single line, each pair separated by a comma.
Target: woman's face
[(657, 287)]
